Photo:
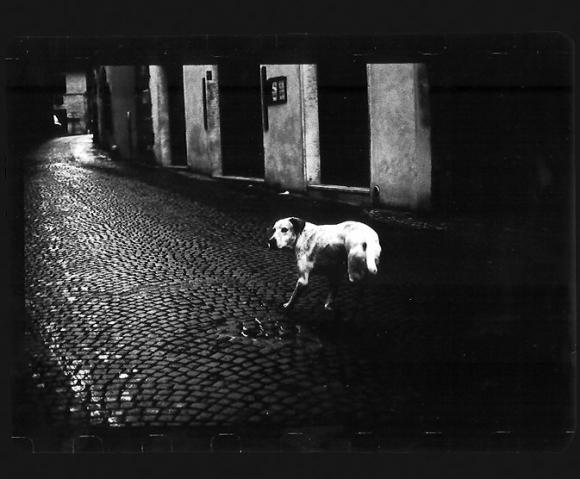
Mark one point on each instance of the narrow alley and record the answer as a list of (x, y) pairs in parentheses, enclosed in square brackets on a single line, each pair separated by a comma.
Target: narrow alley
[(152, 302)]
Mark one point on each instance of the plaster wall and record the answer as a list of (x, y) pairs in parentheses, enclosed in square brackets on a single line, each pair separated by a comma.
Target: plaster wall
[(400, 135), (160, 114), (76, 82), (75, 102), (291, 149), (203, 141), (310, 125)]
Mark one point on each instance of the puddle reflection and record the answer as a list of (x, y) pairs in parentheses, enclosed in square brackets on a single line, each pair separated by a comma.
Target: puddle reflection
[(269, 334)]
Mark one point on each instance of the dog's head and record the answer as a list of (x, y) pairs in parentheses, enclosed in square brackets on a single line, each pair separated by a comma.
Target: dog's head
[(286, 232)]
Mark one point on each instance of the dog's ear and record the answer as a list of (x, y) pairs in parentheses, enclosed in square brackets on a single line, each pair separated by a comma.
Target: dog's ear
[(298, 225)]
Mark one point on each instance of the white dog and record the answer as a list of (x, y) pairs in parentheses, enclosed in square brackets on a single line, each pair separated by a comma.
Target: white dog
[(326, 250)]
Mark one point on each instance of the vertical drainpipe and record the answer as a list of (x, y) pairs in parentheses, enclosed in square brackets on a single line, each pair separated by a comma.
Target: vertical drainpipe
[(265, 120)]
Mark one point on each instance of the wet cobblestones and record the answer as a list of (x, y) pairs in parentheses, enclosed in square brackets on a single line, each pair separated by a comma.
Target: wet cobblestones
[(153, 305)]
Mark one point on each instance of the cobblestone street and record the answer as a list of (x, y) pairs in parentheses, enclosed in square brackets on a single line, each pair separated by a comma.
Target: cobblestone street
[(152, 304)]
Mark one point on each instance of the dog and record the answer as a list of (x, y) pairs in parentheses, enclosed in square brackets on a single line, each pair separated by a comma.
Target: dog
[(327, 250)]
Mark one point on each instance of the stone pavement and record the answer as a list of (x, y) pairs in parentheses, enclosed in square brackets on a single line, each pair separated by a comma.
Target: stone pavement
[(152, 304)]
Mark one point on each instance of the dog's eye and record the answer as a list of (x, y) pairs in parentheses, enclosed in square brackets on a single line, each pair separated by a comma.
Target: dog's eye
[(283, 230)]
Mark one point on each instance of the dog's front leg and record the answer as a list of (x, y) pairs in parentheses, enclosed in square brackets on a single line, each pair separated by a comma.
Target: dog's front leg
[(333, 289), (300, 286), (361, 290)]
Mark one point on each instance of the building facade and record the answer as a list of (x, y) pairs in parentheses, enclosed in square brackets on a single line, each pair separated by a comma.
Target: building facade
[(379, 122), (262, 123)]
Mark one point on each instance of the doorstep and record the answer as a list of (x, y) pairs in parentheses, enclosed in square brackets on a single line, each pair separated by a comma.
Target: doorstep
[(243, 179), (177, 167), (352, 195)]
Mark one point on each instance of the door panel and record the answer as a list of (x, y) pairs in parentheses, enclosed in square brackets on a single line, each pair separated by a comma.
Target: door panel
[(176, 114), (241, 118), (344, 123)]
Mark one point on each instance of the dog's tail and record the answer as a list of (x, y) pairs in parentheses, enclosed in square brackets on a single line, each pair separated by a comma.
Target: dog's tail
[(373, 253)]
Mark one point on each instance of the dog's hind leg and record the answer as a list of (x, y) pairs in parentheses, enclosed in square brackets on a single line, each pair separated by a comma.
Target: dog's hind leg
[(300, 285), (356, 264)]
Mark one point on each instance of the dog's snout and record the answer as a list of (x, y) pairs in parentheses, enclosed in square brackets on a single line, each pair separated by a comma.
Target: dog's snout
[(272, 243)]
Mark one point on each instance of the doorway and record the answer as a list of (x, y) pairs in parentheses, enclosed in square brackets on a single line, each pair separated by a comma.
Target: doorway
[(176, 114), (344, 122), (144, 120), (241, 119), (106, 109)]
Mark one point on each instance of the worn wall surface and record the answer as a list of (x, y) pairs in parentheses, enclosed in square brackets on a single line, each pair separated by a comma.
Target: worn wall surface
[(121, 80), (75, 102), (309, 84), (76, 82), (203, 138), (160, 114), (283, 142), (400, 134)]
